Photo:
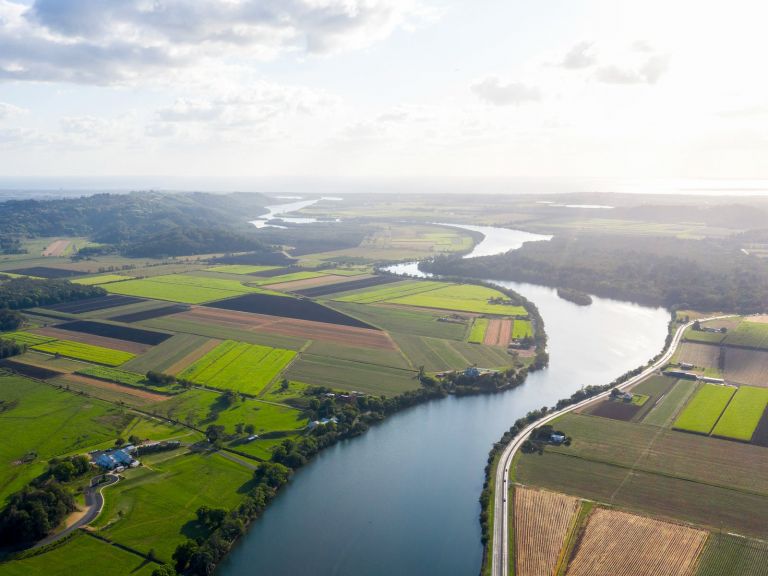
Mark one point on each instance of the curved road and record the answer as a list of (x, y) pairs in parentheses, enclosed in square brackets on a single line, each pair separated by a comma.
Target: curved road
[(499, 557)]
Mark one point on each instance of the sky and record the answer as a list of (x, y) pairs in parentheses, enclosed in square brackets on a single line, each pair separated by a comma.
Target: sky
[(297, 95)]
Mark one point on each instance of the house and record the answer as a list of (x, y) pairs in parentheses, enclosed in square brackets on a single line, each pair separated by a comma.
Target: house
[(252, 437), (324, 421), (686, 366), (122, 457), (116, 460), (681, 374), (106, 461), (626, 396), (472, 372), (711, 380), (557, 438)]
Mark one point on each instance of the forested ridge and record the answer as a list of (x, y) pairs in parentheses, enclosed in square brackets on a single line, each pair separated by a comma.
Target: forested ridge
[(707, 275)]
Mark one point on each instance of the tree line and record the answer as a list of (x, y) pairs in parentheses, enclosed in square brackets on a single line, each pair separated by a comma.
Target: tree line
[(18, 293)]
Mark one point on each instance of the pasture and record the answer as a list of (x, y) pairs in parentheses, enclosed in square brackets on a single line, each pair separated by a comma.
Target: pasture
[(477, 333), (743, 413), (87, 352), (620, 544), (542, 520), (155, 509), (749, 335), (704, 409), (461, 298), (181, 288)]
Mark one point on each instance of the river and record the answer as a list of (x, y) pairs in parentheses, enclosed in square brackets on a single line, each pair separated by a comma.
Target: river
[(403, 498)]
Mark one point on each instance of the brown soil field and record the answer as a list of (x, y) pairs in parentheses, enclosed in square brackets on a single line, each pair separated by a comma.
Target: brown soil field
[(56, 248), (306, 329), (30, 370), (762, 319), (124, 345), (729, 323), (193, 356), (96, 383), (613, 409), (328, 280), (463, 314), (542, 521), (498, 332), (621, 544), (700, 355), (746, 366)]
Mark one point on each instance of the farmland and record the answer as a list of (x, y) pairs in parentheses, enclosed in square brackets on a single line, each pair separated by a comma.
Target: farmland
[(93, 304), (462, 298), (746, 366), (748, 334), (498, 333), (621, 544), (241, 268), (102, 279), (742, 414), (239, 366), (114, 331), (113, 375), (541, 521), (27, 338), (87, 352), (732, 555), (522, 329), (389, 292), (181, 288), (346, 286), (665, 411), (477, 333), (704, 409)]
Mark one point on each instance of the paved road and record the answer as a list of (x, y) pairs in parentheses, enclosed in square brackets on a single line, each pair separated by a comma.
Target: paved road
[(94, 502), (499, 557)]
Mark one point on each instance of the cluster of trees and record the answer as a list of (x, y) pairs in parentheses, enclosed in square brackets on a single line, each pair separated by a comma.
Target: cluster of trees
[(32, 513), (576, 296), (17, 293), (317, 237), (664, 271), (10, 348), (10, 244), (159, 378), (540, 436), (10, 320), (66, 469), (184, 241)]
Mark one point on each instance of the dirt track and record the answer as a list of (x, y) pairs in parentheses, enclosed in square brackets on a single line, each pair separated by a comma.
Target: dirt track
[(56, 248)]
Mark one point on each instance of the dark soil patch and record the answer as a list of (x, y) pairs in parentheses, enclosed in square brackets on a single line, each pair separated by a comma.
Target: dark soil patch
[(346, 286), (300, 309), (275, 272), (254, 259), (117, 332), (93, 304), (29, 370), (760, 435), (46, 272), (149, 314), (615, 410)]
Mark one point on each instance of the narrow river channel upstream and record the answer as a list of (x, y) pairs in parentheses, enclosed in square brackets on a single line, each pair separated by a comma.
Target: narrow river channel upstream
[(403, 498)]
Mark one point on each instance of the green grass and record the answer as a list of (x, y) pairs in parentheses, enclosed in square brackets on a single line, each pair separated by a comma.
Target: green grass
[(477, 333), (101, 279), (241, 268), (639, 399), (182, 288), (749, 334), (239, 366), (522, 329), (389, 291), (743, 414), (667, 409), (26, 338), (155, 509), (707, 337), (166, 354), (349, 375), (437, 355), (288, 277), (113, 375), (87, 352), (384, 357), (462, 298), (731, 555), (82, 555), (702, 412)]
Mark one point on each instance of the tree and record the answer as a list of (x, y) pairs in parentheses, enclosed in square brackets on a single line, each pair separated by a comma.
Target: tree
[(284, 384), (64, 471), (239, 428), (133, 439), (183, 554), (250, 429), (214, 433), (119, 442), (164, 570)]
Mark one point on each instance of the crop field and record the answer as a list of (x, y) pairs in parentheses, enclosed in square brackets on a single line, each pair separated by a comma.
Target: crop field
[(239, 366), (667, 408), (149, 314), (46, 272), (104, 342), (621, 544), (109, 391), (36, 417), (349, 375), (86, 352), (692, 335), (298, 286), (181, 288), (704, 409), (731, 555), (477, 333), (746, 366), (437, 355), (740, 419), (241, 268), (760, 436), (542, 521), (26, 338), (346, 285), (522, 329), (290, 277), (462, 298), (113, 375), (383, 356), (749, 334), (390, 291), (160, 358), (137, 335), (406, 321), (93, 304), (81, 550), (155, 509), (498, 333), (615, 409), (700, 355), (101, 279)]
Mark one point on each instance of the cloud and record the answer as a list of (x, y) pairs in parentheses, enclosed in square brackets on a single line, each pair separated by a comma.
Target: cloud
[(499, 93), (8, 111), (110, 41), (649, 72), (578, 57)]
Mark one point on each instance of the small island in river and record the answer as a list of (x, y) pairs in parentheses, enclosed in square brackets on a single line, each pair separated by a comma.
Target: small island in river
[(576, 296)]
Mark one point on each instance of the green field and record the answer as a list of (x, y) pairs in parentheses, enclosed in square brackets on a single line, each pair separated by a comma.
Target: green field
[(743, 414), (101, 279), (383, 357), (241, 268), (306, 275), (155, 509), (161, 357), (80, 551), (26, 338), (731, 555), (707, 337), (667, 409), (389, 291), (749, 334), (349, 375), (239, 366), (87, 352), (702, 412), (437, 355), (113, 375), (462, 298), (522, 329), (477, 333)]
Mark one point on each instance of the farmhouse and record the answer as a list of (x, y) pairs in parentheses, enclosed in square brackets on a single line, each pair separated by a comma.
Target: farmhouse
[(113, 459)]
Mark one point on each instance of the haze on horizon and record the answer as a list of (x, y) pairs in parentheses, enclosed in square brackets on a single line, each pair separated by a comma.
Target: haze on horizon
[(477, 96)]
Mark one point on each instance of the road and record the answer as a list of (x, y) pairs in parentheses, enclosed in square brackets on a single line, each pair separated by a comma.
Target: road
[(499, 556)]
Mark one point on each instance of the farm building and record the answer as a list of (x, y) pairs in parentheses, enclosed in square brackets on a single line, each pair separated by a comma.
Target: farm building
[(711, 380), (557, 438), (686, 366), (681, 374), (115, 459)]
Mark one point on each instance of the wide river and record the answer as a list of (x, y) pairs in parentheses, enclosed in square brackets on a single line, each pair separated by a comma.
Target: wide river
[(403, 498)]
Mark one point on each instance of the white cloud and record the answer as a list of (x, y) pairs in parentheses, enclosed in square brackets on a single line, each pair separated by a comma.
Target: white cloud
[(8, 111), (648, 72), (499, 93), (580, 56)]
